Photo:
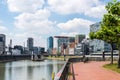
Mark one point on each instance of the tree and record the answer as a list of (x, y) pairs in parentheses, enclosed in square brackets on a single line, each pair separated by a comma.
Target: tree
[(115, 11), (106, 35), (110, 27)]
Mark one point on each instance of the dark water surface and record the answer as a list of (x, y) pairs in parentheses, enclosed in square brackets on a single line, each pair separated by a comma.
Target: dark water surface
[(29, 70)]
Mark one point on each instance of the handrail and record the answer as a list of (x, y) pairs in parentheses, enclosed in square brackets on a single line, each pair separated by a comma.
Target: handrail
[(63, 73)]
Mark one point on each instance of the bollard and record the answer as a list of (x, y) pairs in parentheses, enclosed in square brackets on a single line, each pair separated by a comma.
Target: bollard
[(53, 75)]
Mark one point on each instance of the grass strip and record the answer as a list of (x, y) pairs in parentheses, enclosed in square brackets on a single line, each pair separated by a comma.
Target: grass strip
[(112, 67)]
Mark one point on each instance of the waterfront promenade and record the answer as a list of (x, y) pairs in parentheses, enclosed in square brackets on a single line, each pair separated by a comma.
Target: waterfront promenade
[(93, 71)]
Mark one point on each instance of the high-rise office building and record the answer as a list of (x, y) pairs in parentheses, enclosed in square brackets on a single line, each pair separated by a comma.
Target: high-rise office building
[(2, 43), (98, 45), (30, 44), (79, 38), (50, 44)]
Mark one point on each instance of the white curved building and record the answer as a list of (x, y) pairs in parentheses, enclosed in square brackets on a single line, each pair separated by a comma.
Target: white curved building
[(98, 45)]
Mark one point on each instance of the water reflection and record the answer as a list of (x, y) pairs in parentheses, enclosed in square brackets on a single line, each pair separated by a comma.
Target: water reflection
[(2, 71), (29, 70)]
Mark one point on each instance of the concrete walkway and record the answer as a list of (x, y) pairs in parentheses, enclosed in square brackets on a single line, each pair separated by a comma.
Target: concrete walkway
[(93, 71)]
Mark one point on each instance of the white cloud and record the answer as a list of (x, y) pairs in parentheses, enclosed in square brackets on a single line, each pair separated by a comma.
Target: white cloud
[(21, 38), (96, 12), (35, 22), (24, 5), (90, 8), (76, 25), (67, 7), (33, 19), (87, 7), (38, 39), (69, 34), (41, 14), (34, 25), (72, 34), (3, 29)]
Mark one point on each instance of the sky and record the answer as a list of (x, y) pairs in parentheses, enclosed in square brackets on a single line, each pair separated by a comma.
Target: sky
[(20, 19)]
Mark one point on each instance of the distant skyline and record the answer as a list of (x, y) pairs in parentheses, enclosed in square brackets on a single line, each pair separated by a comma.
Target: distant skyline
[(20, 19)]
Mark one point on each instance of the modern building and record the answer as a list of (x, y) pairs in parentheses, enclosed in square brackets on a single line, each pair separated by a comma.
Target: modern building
[(54, 51), (62, 43), (71, 45), (26, 50), (98, 45), (19, 47), (71, 39), (49, 44), (35, 50), (71, 48), (2, 43), (79, 38), (16, 52), (78, 49), (85, 46), (41, 50), (30, 44), (38, 50)]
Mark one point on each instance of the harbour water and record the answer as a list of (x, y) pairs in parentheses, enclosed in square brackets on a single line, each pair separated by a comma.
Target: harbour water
[(29, 70)]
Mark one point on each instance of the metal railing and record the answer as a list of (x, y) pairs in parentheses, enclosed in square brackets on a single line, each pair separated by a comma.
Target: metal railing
[(63, 73)]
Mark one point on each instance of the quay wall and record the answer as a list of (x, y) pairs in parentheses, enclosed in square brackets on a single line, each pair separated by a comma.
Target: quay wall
[(6, 58)]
